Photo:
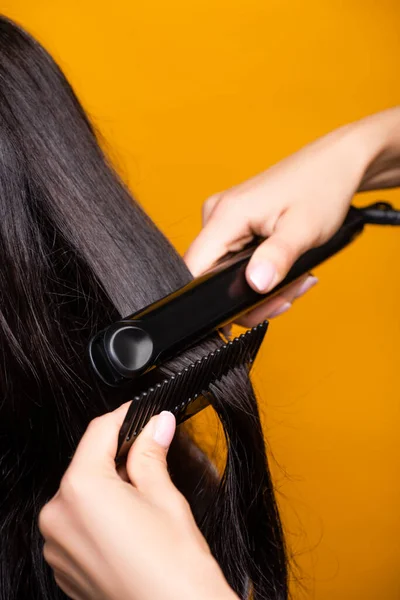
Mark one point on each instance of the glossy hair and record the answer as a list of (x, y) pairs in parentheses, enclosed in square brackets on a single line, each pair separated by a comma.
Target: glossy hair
[(76, 253)]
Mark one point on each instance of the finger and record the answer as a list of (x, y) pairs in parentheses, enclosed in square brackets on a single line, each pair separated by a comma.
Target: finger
[(147, 459), (208, 207), (270, 263), (99, 443), (225, 231), (69, 587), (279, 304)]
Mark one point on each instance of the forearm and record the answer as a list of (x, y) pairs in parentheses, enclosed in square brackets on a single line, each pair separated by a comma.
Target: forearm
[(379, 137)]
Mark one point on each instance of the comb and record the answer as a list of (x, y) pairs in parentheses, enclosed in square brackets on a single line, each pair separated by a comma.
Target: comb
[(193, 383)]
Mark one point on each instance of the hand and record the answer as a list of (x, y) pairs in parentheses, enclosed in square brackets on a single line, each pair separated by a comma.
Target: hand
[(297, 204), (133, 536)]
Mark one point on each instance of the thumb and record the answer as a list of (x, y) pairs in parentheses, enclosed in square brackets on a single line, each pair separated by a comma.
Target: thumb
[(146, 464), (292, 236), (225, 230)]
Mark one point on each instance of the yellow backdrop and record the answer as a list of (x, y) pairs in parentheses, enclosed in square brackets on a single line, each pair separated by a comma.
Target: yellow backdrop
[(196, 96)]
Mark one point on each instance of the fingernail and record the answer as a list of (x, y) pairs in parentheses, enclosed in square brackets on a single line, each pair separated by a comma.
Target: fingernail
[(307, 285), (164, 429), (279, 311), (262, 276)]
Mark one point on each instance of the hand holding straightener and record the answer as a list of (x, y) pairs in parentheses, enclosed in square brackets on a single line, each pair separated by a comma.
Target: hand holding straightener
[(298, 204)]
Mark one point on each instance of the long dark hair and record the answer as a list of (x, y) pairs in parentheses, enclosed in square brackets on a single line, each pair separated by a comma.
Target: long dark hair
[(77, 252)]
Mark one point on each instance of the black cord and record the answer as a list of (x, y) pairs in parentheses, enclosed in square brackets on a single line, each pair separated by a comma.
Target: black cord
[(381, 213)]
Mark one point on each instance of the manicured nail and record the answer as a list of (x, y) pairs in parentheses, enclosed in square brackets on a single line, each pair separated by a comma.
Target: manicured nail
[(279, 311), (262, 276), (307, 285), (164, 429)]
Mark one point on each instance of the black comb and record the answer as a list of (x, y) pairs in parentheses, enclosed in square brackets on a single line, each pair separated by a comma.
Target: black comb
[(193, 383)]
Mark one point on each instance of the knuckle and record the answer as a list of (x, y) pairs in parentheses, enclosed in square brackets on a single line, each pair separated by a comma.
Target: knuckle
[(94, 424), (211, 201), (73, 487), (229, 198), (48, 517), (49, 555), (222, 202), (208, 207)]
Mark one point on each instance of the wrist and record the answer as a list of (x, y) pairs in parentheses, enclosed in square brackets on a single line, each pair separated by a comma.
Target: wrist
[(377, 138)]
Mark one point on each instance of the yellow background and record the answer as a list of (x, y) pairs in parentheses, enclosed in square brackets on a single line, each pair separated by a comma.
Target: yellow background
[(196, 96)]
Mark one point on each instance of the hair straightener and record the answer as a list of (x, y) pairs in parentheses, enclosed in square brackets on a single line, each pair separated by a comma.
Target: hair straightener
[(123, 354)]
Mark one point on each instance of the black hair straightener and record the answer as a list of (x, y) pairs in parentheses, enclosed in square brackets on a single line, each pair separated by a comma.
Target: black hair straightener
[(123, 354)]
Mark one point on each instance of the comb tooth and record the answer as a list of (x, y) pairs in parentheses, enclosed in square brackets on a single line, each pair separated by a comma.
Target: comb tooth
[(172, 403), (225, 357), (245, 350), (171, 392), (202, 374), (215, 364), (229, 356), (136, 416), (144, 396), (210, 370), (180, 399), (248, 341), (248, 346), (220, 364), (184, 386), (258, 338), (233, 352), (159, 401), (142, 408), (214, 368), (135, 407), (228, 359), (193, 376), (253, 344), (200, 369), (151, 401), (205, 370), (198, 379)]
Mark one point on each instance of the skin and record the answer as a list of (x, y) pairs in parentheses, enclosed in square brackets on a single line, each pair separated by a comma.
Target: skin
[(111, 535)]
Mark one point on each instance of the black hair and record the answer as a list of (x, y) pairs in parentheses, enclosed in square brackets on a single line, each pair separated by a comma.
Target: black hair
[(78, 252)]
